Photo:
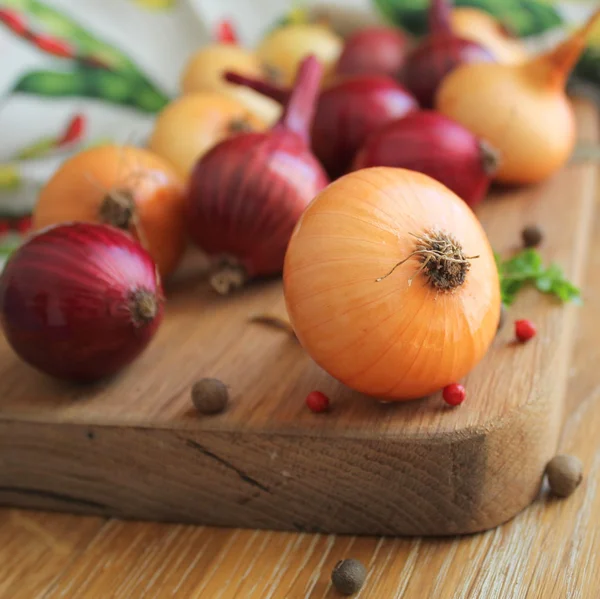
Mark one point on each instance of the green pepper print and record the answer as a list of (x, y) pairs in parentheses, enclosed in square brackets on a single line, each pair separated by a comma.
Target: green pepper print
[(91, 49), (524, 17), (117, 88), (59, 25)]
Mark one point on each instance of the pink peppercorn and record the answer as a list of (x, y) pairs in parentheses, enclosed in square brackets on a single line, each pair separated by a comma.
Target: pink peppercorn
[(525, 330), (317, 401), (454, 394)]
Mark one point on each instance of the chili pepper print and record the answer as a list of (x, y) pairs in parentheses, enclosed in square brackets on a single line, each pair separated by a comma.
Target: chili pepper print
[(14, 21), (225, 33), (61, 36), (93, 83), (72, 133)]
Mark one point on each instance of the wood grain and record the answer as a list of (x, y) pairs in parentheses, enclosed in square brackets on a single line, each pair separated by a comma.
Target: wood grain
[(133, 448)]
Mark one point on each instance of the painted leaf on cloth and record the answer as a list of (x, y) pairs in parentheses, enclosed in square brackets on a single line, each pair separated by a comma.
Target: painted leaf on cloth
[(524, 17)]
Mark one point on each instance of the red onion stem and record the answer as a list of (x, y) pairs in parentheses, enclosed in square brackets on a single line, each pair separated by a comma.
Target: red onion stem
[(300, 108), (439, 17), (277, 93)]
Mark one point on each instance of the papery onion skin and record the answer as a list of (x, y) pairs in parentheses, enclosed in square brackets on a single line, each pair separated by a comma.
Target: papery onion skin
[(204, 72), (428, 64), (521, 109), (225, 216), (482, 28), (77, 190), (388, 339), (246, 194), (349, 110), (373, 51), (430, 143), (70, 300), (190, 125), (284, 48)]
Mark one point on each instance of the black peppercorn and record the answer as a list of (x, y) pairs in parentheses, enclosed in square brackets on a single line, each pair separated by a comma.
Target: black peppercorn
[(532, 236), (210, 396), (348, 576)]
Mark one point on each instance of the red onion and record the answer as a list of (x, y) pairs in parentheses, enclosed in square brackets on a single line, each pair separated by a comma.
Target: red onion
[(373, 51), (80, 301), (438, 54), (430, 143), (347, 112), (247, 193)]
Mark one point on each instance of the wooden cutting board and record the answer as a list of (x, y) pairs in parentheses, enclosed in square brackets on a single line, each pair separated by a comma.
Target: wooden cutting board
[(133, 447)]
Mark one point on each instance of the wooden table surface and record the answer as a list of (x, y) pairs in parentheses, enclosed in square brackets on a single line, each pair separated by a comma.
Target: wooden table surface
[(550, 551)]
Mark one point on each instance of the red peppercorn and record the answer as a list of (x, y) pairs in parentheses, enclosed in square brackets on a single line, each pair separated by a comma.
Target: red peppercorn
[(317, 401), (454, 394), (53, 45), (525, 330)]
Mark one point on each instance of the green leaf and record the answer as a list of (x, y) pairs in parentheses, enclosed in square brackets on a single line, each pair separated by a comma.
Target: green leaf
[(527, 267), (524, 17)]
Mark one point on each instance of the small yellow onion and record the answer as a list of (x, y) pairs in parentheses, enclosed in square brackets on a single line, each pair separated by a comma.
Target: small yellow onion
[(284, 48), (391, 284), (190, 125), (205, 69), (482, 28), (522, 109)]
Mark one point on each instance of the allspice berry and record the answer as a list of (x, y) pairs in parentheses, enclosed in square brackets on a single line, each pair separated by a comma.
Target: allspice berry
[(532, 236), (210, 396), (565, 473), (348, 576)]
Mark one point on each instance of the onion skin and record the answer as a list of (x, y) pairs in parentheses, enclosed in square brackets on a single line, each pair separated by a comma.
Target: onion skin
[(347, 112), (204, 72), (430, 143), (388, 338), (373, 51), (482, 28), (67, 301), (438, 54), (246, 194), (284, 48), (77, 190), (433, 59), (522, 109), (190, 125)]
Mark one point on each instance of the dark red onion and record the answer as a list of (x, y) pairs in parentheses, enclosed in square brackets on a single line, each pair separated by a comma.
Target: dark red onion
[(80, 301), (430, 143), (247, 193), (438, 54), (373, 51), (347, 112)]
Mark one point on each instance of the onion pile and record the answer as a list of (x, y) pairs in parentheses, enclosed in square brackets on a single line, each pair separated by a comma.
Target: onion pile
[(80, 301), (435, 145), (123, 186), (246, 194), (438, 54), (521, 109), (348, 110)]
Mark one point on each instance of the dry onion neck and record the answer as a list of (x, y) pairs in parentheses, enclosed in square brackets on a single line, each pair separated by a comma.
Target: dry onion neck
[(443, 261), (490, 158), (229, 276), (143, 306), (240, 125), (118, 209)]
